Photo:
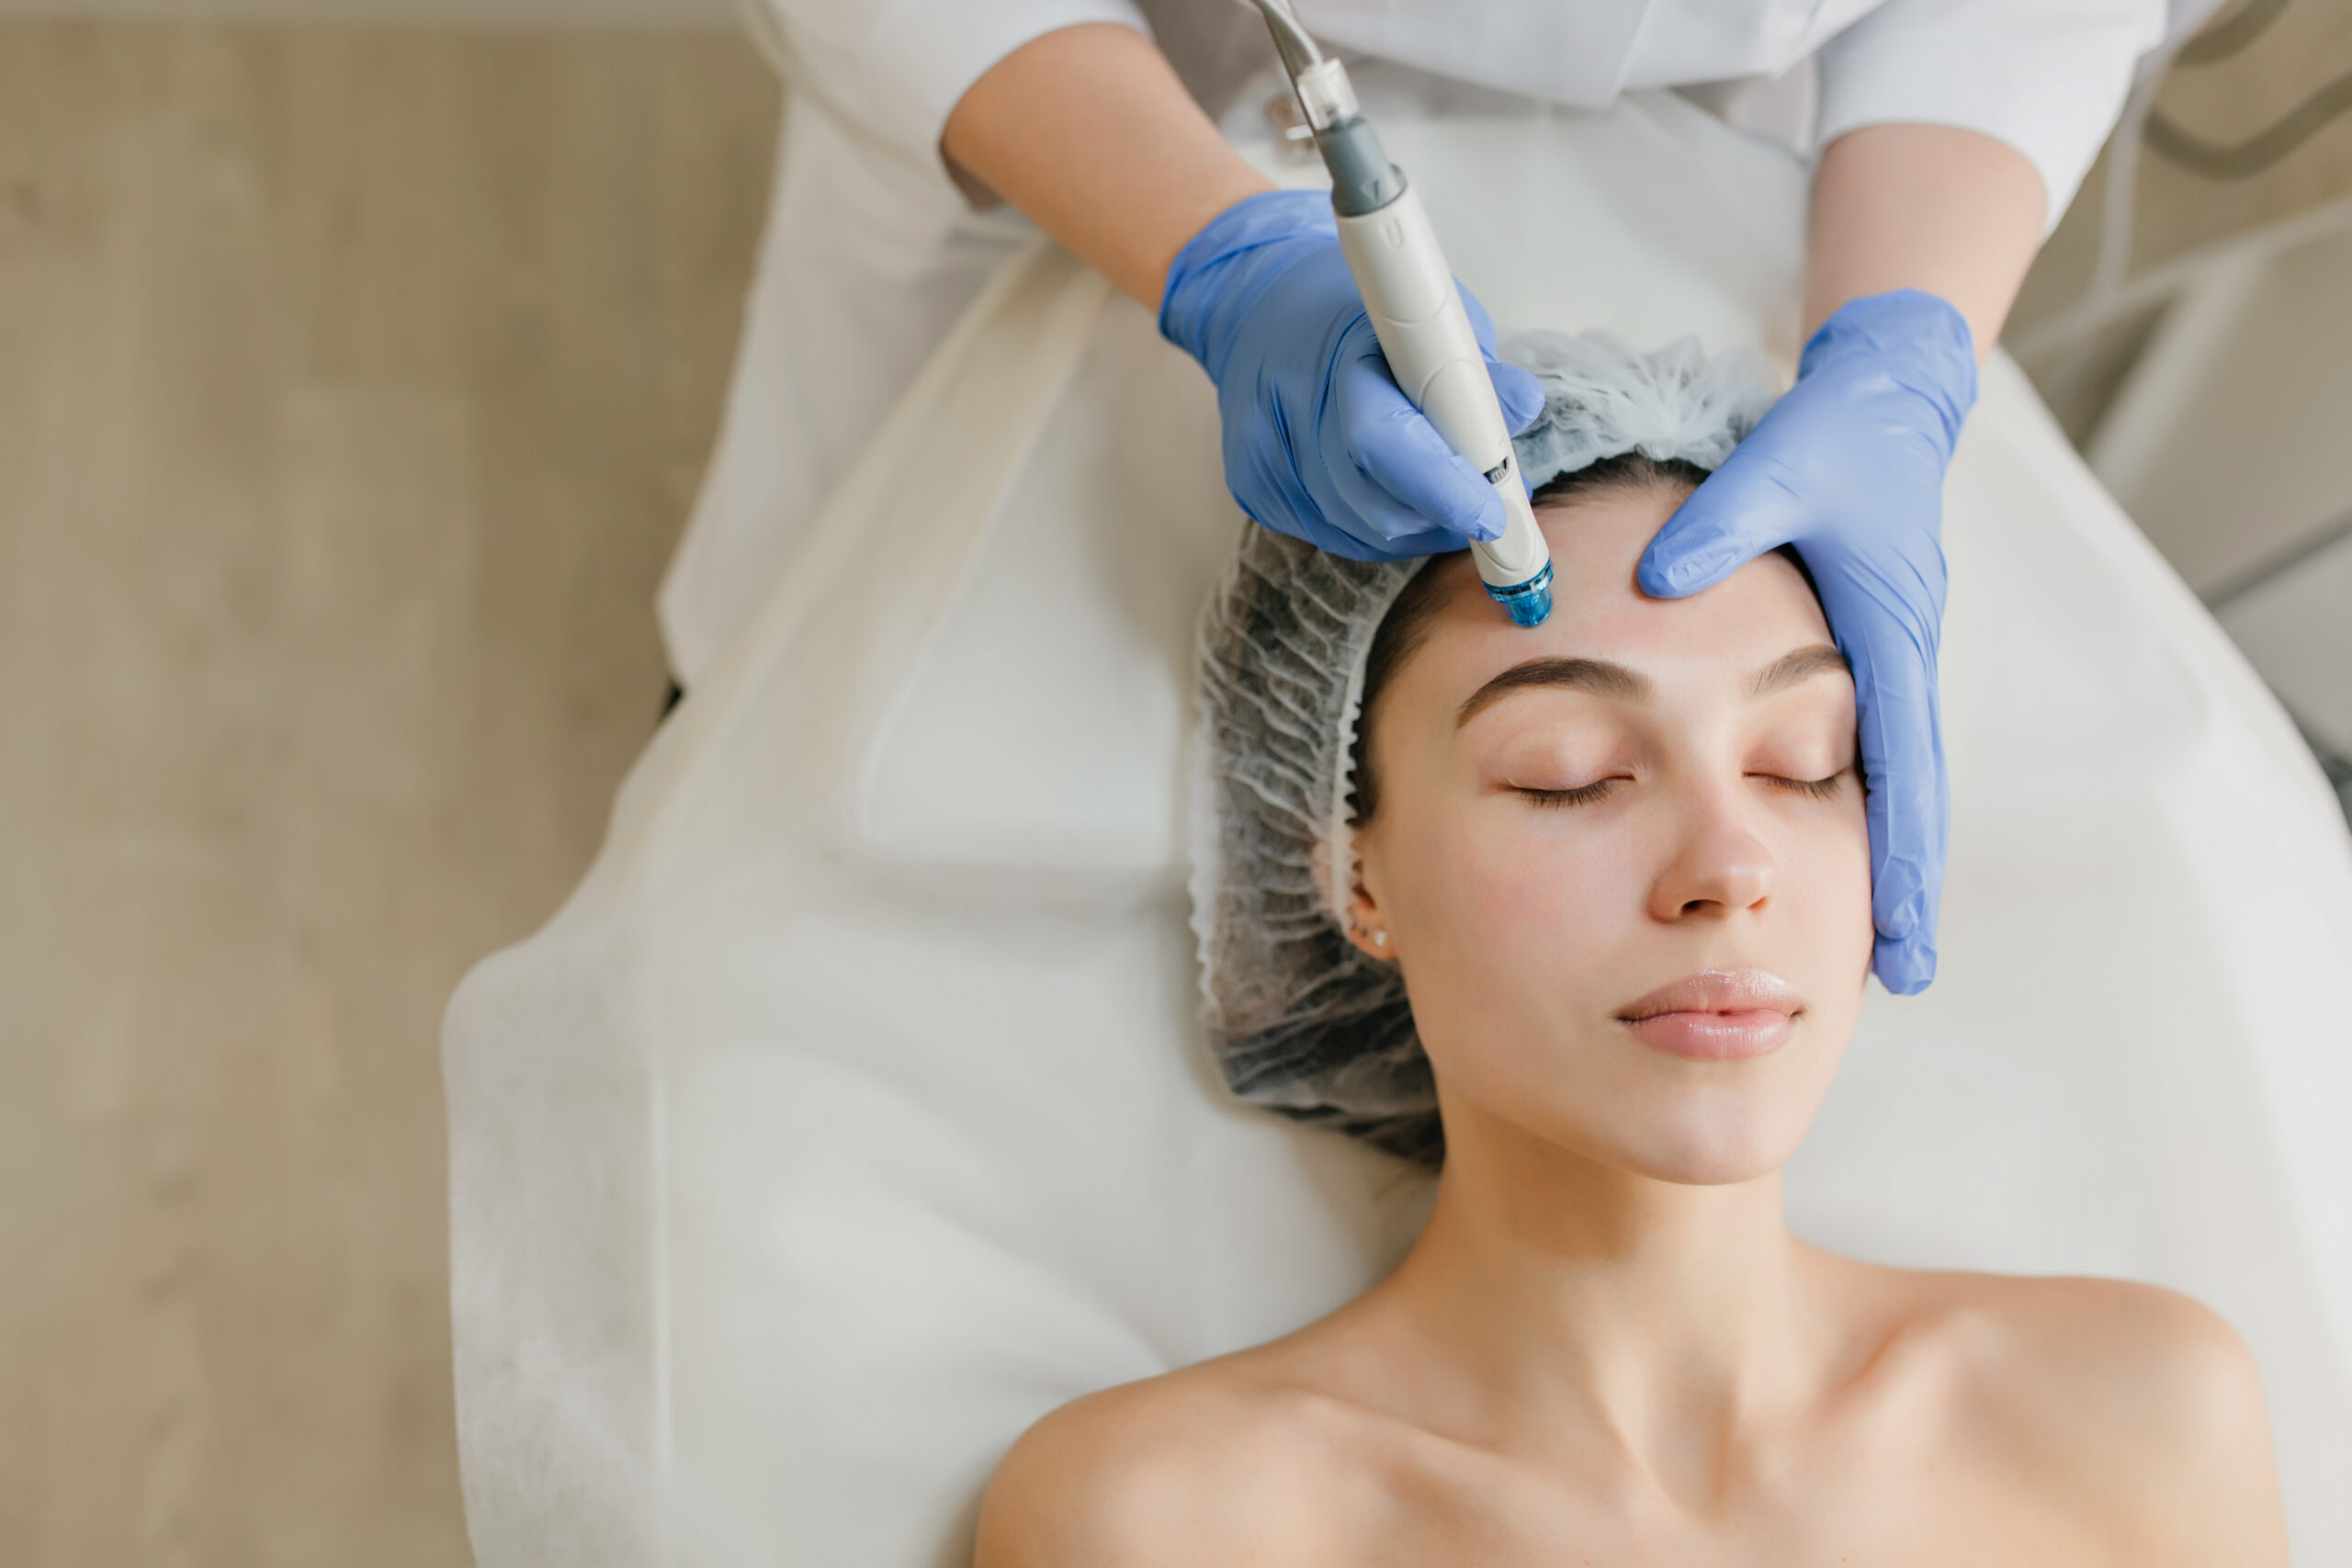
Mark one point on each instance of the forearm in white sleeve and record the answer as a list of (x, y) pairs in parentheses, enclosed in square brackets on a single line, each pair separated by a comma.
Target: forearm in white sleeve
[(895, 69), (2048, 78)]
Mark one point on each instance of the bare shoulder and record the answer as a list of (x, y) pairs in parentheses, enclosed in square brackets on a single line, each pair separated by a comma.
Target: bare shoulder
[(1216, 1464), (2141, 1402)]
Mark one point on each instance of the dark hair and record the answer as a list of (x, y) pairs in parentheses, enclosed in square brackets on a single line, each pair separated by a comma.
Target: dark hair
[(1406, 624)]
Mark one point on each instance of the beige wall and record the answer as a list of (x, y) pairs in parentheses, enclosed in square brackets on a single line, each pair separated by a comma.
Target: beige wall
[(352, 387)]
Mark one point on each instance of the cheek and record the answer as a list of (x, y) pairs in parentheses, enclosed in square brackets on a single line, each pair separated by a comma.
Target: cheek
[(1824, 914), (1500, 895), (1829, 873), (1545, 871)]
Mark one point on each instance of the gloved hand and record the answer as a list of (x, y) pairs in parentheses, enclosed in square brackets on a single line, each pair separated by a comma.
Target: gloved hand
[(1320, 443), (1849, 467)]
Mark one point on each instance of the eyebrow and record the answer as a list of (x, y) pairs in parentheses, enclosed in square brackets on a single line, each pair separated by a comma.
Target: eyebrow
[(1603, 679), (1598, 676), (1795, 666)]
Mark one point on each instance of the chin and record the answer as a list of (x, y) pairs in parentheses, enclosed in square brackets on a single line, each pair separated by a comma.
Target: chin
[(1713, 1150)]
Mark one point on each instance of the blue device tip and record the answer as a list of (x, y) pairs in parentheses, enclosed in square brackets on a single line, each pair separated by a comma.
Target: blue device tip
[(1530, 604)]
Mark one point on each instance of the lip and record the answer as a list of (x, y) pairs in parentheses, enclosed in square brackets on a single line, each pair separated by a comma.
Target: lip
[(1716, 1015)]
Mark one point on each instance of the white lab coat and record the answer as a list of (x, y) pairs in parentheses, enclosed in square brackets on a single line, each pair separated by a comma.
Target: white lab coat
[(873, 249)]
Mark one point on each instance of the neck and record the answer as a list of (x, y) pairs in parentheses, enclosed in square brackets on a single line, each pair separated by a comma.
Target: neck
[(1563, 1295)]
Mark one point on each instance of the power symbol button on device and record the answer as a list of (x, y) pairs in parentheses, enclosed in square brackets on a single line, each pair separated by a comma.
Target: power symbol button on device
[(1392, 234)]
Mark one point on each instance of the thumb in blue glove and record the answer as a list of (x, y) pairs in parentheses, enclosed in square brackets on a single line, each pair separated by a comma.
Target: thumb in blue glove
[(1849, 467), (1319, 440)]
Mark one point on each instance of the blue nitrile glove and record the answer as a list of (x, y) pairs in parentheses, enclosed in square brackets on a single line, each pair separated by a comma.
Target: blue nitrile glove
[(1318, 441), (1849, 469)]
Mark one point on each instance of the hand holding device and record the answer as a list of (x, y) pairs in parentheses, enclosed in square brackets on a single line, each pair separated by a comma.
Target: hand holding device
[(1432, 375), (1319, 440)]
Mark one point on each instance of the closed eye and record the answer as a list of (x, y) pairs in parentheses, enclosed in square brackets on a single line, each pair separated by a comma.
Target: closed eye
[(1818, 789), (1583, 794)]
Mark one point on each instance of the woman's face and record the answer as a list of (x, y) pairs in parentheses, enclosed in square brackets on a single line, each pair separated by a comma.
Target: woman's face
[(1621, 859)]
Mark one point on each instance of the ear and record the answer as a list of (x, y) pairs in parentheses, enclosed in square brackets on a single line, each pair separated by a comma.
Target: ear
[(1367, 919), (1361, 916)]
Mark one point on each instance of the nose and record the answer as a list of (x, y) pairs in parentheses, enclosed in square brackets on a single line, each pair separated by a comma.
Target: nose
[(1719, 868)]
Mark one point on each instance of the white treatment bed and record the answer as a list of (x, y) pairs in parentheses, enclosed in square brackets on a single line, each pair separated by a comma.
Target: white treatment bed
[(852, 1113)]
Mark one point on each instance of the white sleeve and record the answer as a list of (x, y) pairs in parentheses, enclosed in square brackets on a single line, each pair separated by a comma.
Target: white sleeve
[(896, 68), (2049, 77)]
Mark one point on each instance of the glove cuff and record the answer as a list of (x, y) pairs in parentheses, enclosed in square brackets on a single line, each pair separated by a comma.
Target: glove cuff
[(1919, 338), (1197, 310)]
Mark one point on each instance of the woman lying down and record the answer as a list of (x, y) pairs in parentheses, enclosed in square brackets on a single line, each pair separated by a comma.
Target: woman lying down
[(1581, 917)]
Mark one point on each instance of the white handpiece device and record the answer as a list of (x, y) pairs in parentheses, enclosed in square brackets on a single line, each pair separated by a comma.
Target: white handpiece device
[(1409, 293)]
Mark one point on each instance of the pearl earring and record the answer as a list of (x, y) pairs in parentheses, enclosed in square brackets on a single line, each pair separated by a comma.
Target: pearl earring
[(1380, 939)]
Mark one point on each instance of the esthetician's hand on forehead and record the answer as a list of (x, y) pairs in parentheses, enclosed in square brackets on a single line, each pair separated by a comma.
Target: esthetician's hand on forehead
[(1849, 467)]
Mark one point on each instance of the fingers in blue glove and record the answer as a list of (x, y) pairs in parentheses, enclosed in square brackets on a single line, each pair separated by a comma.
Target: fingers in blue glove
[(1744, 509), (1392, 467), (1521, 395), (1906, 967), (1320, 442), (1906, 800)]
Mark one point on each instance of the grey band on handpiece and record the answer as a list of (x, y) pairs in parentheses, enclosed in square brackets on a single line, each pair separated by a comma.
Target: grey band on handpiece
[(1363, 179)]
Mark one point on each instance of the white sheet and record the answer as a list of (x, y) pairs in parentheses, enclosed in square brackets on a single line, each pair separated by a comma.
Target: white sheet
[(852, 1114)]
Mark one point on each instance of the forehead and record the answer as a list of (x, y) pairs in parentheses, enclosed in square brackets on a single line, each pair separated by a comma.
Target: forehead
[(1731, 630)]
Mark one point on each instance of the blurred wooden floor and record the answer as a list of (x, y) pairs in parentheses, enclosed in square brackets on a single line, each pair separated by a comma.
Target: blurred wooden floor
[(352, 387)]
